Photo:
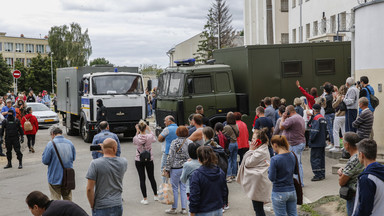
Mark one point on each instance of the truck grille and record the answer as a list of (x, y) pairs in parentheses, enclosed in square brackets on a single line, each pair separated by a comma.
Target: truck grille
[(123, 114), (161, 114)]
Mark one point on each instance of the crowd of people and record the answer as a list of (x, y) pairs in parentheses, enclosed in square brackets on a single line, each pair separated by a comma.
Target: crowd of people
[(199, 160)]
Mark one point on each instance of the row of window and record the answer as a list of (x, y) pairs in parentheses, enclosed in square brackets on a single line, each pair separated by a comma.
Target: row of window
[(295, 68), (19, 47), (9, 61)]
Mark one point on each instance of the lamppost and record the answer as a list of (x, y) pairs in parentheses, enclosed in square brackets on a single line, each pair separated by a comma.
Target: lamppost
[(53, 89)]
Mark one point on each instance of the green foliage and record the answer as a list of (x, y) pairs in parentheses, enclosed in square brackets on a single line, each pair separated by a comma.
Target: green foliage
[(148, 69), (39, 75), (99, 61), (70, 46), (22, 80), (5, 76), (218, 32)]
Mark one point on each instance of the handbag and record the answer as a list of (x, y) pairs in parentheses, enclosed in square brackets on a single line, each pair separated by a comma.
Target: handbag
[(297, 183), (144, 155), (68, 181), (346, 193), (165, 193)]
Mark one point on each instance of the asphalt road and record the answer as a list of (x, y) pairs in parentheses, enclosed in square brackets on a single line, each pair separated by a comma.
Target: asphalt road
[(16, 184)]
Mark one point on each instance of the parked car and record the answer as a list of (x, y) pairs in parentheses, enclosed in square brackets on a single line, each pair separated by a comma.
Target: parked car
[(45, 116)]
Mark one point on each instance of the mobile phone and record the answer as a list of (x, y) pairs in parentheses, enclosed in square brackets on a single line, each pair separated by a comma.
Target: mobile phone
[(288, 113), (305, 101), (95, 148)]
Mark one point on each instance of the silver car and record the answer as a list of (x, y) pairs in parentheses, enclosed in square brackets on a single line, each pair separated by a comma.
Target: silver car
[(45, 116)]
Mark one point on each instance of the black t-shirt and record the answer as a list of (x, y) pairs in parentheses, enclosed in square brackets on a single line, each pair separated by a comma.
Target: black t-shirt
[(263, 122), (63, 208)]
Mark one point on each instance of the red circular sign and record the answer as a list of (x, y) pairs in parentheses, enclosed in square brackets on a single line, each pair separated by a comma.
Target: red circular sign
[(16, 74)]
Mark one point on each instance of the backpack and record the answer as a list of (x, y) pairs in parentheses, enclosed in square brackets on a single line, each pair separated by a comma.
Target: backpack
[(27, 125), (223, 141), (373, 99), (144, 155), (222, 158)]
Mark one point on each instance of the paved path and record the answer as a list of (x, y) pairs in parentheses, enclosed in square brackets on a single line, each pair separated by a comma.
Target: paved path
[(16, 184)]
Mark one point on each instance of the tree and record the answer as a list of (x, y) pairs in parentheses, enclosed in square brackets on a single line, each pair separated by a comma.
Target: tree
[(5, 76), (218, 32), (70, 46), (22, 80), (39, 75), (99, 61), (148, 69)]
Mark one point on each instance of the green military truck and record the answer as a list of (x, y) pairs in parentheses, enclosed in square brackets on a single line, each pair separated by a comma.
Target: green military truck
[(242, 76)]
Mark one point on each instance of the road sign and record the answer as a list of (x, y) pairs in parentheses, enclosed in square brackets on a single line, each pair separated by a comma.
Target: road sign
[(16, 74)]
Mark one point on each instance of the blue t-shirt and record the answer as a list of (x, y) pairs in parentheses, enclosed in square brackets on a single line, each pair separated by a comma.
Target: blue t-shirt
[(281, 172), (263, 122), (169, 133), (5, 109)]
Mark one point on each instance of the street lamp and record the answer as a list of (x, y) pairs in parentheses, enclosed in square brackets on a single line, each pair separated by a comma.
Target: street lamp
[(53, 89)]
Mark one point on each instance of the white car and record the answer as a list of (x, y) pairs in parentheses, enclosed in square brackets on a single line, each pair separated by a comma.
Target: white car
[(45, 116)]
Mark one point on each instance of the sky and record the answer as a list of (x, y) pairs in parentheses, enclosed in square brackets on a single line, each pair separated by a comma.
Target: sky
[(125, 32)]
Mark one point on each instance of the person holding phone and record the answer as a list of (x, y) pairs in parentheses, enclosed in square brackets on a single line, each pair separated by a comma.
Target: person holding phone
[(100, 137)]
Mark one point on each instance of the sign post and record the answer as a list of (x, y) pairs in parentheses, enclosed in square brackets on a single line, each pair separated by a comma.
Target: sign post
[(16, 75)]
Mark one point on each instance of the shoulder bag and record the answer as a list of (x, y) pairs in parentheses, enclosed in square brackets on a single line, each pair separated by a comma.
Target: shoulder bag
[(346, 193), (144, 155), (373, 99), (234, 131), (68, 182), (297, 183)]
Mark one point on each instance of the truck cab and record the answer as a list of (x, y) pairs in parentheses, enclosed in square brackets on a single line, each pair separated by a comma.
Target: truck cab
[(184, 87)]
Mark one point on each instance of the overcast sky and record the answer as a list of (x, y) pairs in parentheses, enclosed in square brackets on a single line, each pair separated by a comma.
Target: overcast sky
[(126, 32)]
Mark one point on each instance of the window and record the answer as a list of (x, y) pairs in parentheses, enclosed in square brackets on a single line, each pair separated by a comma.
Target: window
[(333, 24), (1, 47), (117, 85), (174, 84), (40, 48), (200, 85), (163, 84), (291, 68), (293, 35), (293, 3), (315, 28), (325, 66), (19, 47), (284, 6), (8, 47), (343, 21), (324, 25), (9, 61), (222, 82), (284, 38), (29, 61), (307, 31), (30, 48)]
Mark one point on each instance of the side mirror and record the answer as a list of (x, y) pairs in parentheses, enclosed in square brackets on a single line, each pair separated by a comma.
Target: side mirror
[(190, 85), (149, 85)]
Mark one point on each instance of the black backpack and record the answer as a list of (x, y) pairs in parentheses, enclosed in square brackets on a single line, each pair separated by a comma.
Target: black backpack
[(144, 155), (373, 99), (222, 158)]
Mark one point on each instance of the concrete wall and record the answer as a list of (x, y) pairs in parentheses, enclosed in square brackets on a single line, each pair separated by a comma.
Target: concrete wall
[(186, 49), (369, 46), (312, 10), (280, 21)]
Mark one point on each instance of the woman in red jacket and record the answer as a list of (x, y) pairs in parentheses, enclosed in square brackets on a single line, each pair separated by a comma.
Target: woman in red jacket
[(242, 140), (31, 134), (310, 96)]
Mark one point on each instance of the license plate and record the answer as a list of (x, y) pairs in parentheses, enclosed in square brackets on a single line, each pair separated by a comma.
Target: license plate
[(48, 120)]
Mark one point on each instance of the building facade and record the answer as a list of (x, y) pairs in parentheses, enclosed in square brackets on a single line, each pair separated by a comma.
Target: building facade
[(22, 49), (320, 20), (266, 22)]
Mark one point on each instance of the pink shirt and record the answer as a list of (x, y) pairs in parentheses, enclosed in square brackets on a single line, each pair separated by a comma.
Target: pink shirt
[(294, 129), (144, 142)]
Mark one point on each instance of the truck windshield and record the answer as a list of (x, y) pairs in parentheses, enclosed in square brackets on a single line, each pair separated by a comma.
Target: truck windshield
[(117, 84), (170, 84)]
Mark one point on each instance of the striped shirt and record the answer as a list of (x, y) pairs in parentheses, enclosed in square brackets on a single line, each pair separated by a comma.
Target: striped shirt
[(364, 123)]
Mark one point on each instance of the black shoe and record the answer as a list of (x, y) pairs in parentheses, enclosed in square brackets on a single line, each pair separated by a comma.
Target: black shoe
[(8, 166), (317, 178), (20, 166), (2, 155)]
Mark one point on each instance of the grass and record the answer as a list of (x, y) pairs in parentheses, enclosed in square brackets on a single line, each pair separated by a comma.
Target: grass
[(310, 207)]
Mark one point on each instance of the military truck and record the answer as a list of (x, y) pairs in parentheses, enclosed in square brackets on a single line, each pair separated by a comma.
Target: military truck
[(120, 88), (242, 76)]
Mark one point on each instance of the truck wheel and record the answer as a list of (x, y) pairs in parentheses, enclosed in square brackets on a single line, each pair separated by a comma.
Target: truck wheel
[(85, 134), (72, 132)]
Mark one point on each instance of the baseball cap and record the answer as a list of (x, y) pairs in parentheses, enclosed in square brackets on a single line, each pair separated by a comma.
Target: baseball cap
[(316, 107)]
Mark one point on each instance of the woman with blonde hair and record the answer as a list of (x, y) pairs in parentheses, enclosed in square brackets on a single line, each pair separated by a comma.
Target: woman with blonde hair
[(253, 173), (281, 171), (339, 122)]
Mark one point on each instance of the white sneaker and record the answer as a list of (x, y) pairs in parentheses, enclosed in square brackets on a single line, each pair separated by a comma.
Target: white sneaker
[(335, 149), (184, 211), (329, 146), (226, 207), (156, 198), (144, 202)]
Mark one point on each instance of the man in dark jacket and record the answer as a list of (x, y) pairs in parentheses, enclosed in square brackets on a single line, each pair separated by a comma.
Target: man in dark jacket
[(13, 132), (101, 112), (370, 186), (39, 204), (318, 127)]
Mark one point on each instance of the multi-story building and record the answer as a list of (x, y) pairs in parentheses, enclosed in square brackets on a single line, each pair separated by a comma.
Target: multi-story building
[(21, 48), (320, 20), (266, 22)]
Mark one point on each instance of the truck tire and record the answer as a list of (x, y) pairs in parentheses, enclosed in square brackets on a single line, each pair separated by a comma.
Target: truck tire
[(72, 132), (85, 134)]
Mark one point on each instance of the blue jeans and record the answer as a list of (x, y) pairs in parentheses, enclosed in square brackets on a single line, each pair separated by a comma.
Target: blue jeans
[(232, 160), (350, 205), (330, 117), (149, 109), (350, 116), (298, 149), (112, 211), (284, 203), (175, 181), (163, 163), (218, 212)]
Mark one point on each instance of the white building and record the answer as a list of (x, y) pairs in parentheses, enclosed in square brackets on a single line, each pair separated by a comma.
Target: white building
[(320, 20), (266, 22)]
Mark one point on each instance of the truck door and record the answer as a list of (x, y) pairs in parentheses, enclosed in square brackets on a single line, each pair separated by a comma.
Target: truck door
[(224, 92), (67, 102), (200, 91)]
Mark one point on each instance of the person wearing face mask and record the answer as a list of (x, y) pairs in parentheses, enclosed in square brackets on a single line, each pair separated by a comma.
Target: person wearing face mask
[(13, 132), (20, 110)]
